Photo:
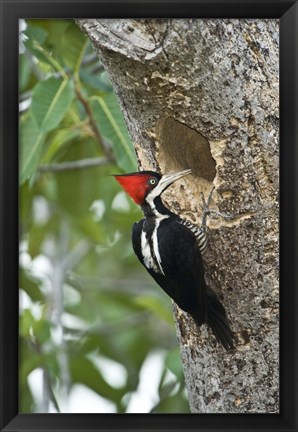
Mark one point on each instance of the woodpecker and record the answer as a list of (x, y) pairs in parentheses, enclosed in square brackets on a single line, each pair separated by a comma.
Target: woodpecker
[(171, 248)]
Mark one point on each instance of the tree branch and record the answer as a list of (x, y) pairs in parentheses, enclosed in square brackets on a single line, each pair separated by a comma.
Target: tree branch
[(102, 141)]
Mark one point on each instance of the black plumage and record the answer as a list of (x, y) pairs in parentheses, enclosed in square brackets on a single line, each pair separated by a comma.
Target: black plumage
[(183, 279)]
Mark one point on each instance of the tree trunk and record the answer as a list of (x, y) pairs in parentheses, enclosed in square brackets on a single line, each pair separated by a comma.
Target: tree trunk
[(203, 94)]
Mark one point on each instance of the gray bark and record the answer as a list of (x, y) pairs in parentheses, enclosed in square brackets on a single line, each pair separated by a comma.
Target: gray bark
[(203, 94)]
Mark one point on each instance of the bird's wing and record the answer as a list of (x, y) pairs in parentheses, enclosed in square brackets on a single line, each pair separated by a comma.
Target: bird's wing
[(183, 268), (136, 238)]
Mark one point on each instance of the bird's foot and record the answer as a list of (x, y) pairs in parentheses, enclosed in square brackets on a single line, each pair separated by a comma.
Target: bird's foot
[(206, 209), (213, 214)]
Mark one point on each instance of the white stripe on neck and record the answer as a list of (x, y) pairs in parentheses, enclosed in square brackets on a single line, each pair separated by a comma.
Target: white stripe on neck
[(151, 197)]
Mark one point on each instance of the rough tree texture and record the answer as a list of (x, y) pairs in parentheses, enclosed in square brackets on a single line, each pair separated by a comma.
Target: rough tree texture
[(203, 94)]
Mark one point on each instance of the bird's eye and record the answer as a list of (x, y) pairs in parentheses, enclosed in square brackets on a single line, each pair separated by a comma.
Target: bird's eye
[(152, 181)]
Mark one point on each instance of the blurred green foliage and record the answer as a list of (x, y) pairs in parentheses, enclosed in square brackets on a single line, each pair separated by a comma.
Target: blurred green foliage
[(84, 297)]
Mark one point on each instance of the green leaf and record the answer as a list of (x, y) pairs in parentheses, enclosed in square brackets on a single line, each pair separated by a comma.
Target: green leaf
[(56, 28), (28, 361), (73, 45), (59, 140), (25, 206), (95, 81), (83, 371), (26, 401), (42, 330), (26, 323), (30, 285), (50, 101), (112, 126), (31, 145), (41, 54), (35, 33)]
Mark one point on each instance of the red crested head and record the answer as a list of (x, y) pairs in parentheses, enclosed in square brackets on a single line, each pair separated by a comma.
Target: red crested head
[(138, 184), (148, 185)]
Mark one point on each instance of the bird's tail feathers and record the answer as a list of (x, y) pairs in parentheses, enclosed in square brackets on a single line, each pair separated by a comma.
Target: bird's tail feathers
[(218, 321)]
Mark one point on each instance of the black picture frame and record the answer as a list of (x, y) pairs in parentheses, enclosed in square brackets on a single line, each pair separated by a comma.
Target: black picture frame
[(11, 11)]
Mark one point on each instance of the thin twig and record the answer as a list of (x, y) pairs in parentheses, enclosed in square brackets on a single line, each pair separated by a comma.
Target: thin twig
[(58, 310), (102, 141), (48, 393), (78, 164)]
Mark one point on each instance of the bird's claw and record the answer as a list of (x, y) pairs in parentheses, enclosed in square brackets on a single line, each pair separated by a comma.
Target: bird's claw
[(213, 214), (206, 210)]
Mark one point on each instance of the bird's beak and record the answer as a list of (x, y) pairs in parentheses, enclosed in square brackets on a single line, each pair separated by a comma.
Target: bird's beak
[(168, 179)]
